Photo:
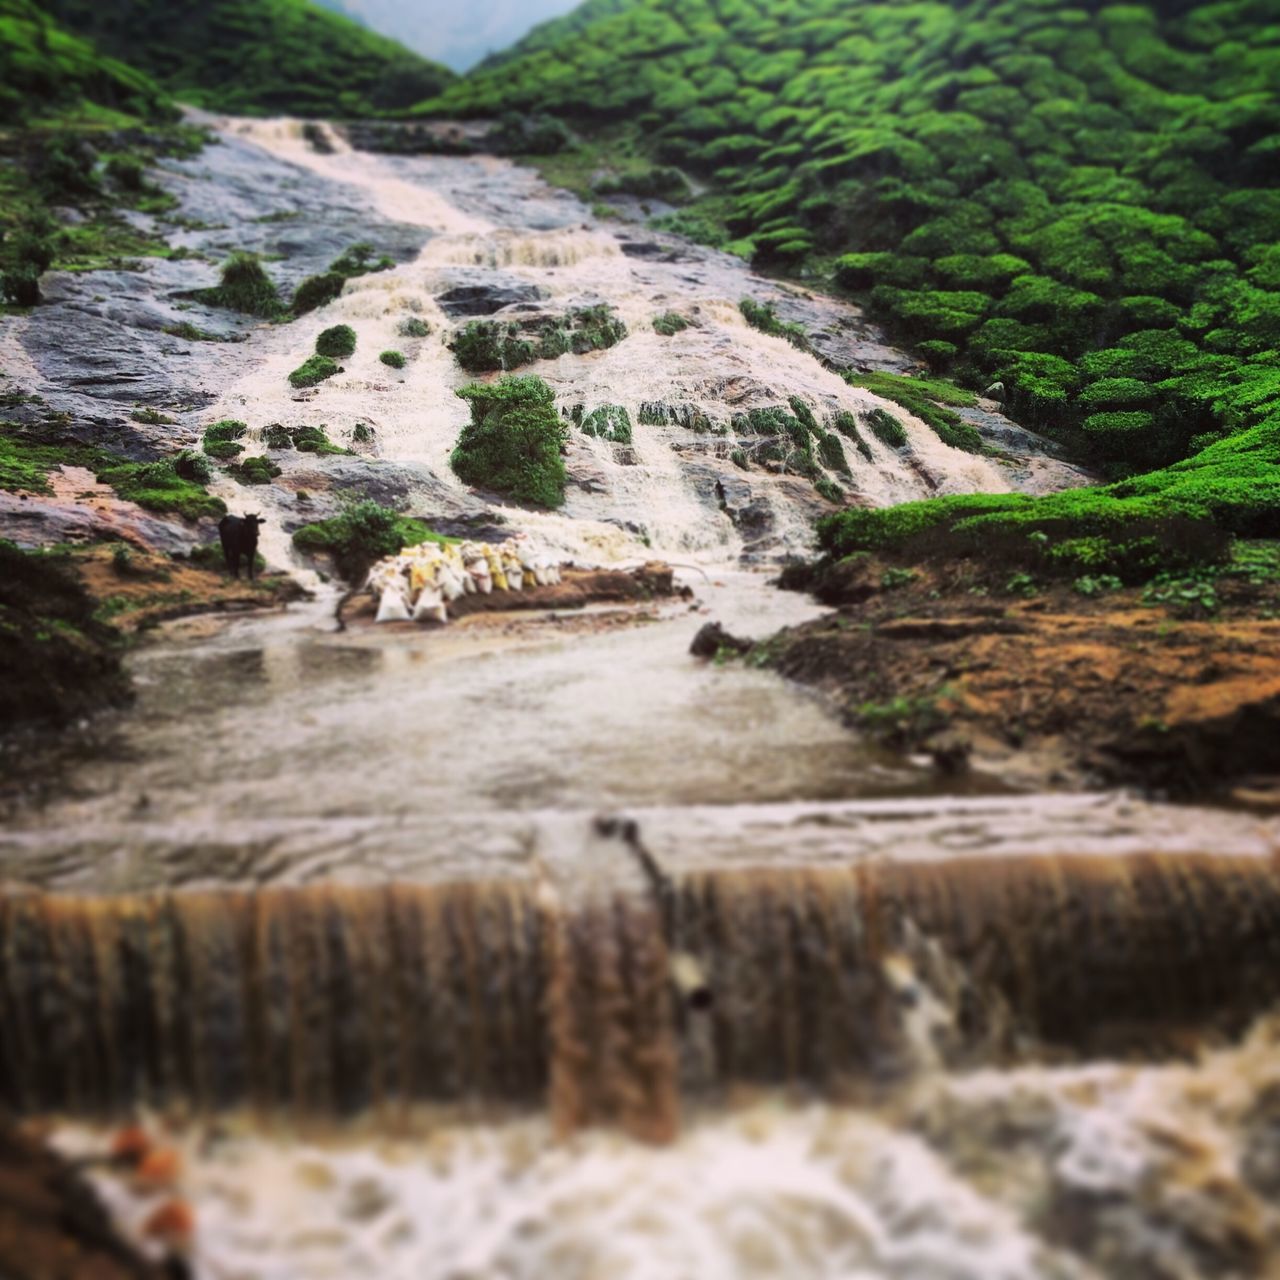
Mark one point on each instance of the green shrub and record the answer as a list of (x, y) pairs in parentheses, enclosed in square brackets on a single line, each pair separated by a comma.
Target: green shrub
[(669, 323), (338, 341), (762, 316), (244, 286), (847, 425), (255, 470), (1167, 520), (609, 422), (360, 535), (313, 371), (359, 260), (512, 443), (392, 359), (314, 440), (486, 345), (413, 327), (317, 291)]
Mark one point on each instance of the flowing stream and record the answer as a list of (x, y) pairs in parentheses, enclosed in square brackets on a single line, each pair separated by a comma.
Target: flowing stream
[(520, 899)]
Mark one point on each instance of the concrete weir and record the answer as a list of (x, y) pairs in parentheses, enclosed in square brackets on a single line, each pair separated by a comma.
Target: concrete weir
[(619, 1005)]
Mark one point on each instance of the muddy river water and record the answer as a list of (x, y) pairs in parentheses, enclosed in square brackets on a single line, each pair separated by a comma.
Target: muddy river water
[(277, 752)]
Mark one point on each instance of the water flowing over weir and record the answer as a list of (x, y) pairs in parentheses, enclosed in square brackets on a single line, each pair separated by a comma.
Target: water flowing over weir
[(330, 1001)]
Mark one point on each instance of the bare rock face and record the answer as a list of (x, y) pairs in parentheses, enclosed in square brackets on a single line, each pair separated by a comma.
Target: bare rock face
[(713, 640)]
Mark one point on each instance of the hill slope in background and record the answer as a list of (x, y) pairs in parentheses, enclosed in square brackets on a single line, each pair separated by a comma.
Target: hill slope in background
[(1082, 200), (251, 56), (44, 68)]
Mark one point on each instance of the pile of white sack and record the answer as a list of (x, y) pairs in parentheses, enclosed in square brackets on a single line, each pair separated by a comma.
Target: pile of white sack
[(421, 582)]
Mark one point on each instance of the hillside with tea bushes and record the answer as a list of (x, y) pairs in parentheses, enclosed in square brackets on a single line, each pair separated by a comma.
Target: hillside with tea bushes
[(1081, 201), (257, 56)]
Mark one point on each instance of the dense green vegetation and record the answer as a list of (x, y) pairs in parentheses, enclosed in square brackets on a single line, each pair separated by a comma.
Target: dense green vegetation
[(392, 359), (512, 443), (339, 341), (483, 346), (248, 56), (1078, 198), (362, 534), (1179, 516), (57, 661), (244, 285), (313, 371), (176, 485), (44, 68)]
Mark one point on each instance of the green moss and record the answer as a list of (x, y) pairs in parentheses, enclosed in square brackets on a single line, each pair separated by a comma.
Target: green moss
[(512, 443), (338, 341), (362, 534), (886, 428), (926, 399), (313, 371), (762, 316), (1134, 529), (847, 425), (392, 359), (26, 458), (58, 662), (413, 327)]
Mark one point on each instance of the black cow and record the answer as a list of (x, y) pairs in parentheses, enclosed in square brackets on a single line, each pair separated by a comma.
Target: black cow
[(240, 538)]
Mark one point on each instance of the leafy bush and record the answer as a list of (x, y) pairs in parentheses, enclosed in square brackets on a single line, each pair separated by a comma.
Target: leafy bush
[(313, 371), (359, 260), (392, 359), (609, 422), (485, 345), (338, 341), (220, 439), (413, 327), (512, 443), (669, 323), (317, 291), (244, 286), (255, 470), (360, 535)]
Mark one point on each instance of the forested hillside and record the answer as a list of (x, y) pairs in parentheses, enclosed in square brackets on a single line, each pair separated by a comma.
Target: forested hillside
[(1081, 200), (45, 69), (251, 56)]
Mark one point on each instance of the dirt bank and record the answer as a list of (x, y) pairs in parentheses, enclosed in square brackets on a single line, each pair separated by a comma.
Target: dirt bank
[(52, 1225), (1054, 688)]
